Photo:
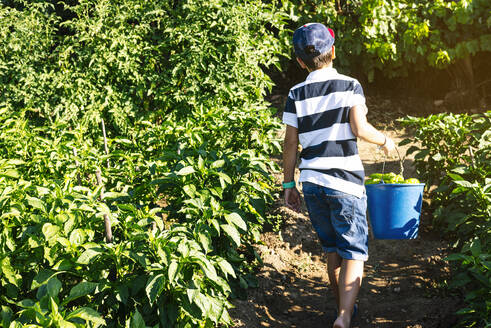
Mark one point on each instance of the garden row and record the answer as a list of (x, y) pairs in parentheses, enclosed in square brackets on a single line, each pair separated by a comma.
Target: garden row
[(148, 220), (182, 227), (454, 153)]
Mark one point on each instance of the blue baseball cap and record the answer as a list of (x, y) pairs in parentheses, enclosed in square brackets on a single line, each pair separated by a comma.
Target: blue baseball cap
[(311, 40)]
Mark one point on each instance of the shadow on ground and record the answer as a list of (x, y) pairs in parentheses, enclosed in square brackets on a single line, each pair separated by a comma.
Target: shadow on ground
[(402, 287)]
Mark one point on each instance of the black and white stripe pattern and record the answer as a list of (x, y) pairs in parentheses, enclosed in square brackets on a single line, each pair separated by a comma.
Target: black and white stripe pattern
[(319, 108)]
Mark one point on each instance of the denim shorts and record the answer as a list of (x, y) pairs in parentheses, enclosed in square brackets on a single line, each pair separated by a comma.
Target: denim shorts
[(339, 220)]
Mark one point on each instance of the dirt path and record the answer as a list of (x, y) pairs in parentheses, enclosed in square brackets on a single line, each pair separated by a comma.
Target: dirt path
[(403, 279)]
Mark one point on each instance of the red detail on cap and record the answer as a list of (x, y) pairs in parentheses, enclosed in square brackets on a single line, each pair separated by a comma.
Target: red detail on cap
[(331, 31)]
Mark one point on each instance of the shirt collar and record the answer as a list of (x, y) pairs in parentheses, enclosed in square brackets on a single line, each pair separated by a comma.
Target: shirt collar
[(322, 73)]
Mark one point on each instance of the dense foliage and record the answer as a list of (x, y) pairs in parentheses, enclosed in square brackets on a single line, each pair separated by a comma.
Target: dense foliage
[(134, 59), (171, 265), (184, 185), (396, 37), (455, 154), (182, 181)]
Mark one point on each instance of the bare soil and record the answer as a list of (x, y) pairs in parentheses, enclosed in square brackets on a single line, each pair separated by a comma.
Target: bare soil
[(404, 280)]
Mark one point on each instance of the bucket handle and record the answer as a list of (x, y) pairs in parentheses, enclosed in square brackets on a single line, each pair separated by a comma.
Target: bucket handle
[(401, 163)]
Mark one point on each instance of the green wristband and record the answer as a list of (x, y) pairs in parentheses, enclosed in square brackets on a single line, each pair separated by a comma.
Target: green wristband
[(288, 185)]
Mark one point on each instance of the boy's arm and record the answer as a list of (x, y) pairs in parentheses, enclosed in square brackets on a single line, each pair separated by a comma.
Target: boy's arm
[(364, 130), (290, 146)]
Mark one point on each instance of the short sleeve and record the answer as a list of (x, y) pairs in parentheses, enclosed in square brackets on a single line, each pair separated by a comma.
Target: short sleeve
[(358, 98), (290, 112)]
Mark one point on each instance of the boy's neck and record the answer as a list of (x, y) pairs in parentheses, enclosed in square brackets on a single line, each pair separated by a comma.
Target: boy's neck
[(325, 66)]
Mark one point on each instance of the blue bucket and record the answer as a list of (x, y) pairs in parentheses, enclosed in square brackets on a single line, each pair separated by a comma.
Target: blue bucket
[(394, 209)]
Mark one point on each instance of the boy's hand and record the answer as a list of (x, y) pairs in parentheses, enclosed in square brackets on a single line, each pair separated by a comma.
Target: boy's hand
[(292, 199), (389, 146)]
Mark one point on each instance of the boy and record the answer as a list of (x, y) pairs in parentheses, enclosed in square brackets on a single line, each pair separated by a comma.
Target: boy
[(326, 113)]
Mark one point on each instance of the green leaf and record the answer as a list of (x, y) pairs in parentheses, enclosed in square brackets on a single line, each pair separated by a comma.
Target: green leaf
[(421, 154), (140, 257), (62, 265), (50, 231), (154, 287), (437, 157), (10, 173), (6, 316), (405, 142), (226, 267), (481, 278), (217, 164), (41, 278), (202, 302), (114, 195), (224, 177), (66, 324), (217, 308), (89, 254), (476, 247), (192, 293), (464, 183), (41, 191), (412, 149), (190, 190), (465, 311), (457, 257), (236, 219), (215, 224), (81, 289), (137, 320), (460, 170), (8, 271), (205, 241), (26, 303), (77, 237), (455, 176), (15, 162), (232, 233), (88, 314), (36, 203), (54, 287), (172, 271), (122, 294), (120, 140), (186, 170), (53, 306), (243, 283), (201, 164), (207, 267)]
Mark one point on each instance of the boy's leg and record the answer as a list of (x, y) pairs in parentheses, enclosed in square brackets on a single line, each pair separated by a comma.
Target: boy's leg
[(349, 222), (333, 270), (349, 285)]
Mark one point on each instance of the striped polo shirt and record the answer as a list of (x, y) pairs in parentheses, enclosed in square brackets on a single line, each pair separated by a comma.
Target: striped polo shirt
[(319, 108)]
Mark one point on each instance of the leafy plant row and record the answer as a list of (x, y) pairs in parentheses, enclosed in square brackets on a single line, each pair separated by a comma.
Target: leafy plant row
[(454, 153), (183, 224), (152, 223)]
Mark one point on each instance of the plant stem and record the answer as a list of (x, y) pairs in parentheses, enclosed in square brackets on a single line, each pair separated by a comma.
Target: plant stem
[(106, 149), (107, 223), (77, 164)]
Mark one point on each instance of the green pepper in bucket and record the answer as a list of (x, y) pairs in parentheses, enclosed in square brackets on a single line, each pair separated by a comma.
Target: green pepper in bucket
[(394, 204)]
